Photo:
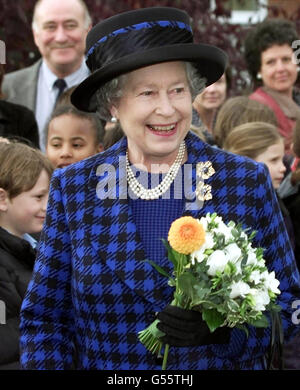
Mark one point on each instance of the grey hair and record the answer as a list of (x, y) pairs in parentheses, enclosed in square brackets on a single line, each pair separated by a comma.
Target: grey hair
[(87, 16), (110, 92)]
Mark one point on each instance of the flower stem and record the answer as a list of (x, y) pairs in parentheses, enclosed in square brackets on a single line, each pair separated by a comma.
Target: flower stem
[(164, 364)]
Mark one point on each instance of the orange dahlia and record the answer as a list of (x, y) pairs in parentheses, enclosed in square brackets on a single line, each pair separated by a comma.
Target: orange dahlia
[(186, 235)]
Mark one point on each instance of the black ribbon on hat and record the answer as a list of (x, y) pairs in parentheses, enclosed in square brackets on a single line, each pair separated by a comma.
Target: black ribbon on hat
[(131, 40)]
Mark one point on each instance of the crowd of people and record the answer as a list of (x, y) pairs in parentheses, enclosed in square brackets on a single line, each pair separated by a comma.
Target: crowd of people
[(96, 110)]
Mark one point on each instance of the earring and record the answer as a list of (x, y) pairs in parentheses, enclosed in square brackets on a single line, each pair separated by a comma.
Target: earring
[(258, 76), (114, 119), (298, 68)]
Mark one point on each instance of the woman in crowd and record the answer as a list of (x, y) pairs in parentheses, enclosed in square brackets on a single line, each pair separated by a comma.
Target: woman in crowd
[(207, 103), (91, 291), (271, 62)]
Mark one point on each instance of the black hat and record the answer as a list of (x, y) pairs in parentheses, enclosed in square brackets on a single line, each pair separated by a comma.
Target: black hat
[(139, 38)]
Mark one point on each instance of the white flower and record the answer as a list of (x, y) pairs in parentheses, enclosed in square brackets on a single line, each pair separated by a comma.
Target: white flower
[(270, 282), (252, 259), (233, 252), (223, 229), (216, 262), (239, 289), (203, 222), (261, 299), (218, 219), (255, 277), (234, 255), (198, 255)]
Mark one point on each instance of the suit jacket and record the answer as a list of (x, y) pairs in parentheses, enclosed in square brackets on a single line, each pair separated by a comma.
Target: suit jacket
[(91, 289), (20, 87)]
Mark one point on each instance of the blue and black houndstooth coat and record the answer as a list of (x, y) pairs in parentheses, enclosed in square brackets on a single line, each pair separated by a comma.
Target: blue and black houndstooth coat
[(91, 290)]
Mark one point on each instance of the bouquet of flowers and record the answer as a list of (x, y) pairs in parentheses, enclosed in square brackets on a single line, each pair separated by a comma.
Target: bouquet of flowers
[(216, 272)]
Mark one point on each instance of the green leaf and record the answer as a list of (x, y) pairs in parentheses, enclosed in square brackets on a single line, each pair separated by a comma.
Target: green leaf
[(262, 322), (275, 308), (244, 260), (186, 282), (171, 254), (233, 306), (252, 235), (199, 294), (213, 319), (244, 328), (178, 259), (180, 300), (159, 269)]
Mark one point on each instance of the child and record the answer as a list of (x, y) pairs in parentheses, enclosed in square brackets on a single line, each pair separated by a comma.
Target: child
[(262, 142), (291, 200), (24, 184), (290, 190), (72, 135), (238, 110), (291, 183)]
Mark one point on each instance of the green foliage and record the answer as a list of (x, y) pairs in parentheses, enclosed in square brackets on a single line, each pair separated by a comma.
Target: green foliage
[(226, 288), (213, 318)]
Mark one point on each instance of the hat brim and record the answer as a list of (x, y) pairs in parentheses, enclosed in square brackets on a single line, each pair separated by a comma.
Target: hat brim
[(209, 60)]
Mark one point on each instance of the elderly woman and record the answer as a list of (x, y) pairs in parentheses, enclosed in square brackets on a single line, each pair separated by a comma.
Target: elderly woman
[(91, 292), (269, 54)]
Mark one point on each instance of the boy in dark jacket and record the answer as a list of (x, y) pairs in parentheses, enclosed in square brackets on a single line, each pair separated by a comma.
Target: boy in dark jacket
[(24, 184)]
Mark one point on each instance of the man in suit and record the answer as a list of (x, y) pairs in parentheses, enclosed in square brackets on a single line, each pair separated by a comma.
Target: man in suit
[(59, 30)]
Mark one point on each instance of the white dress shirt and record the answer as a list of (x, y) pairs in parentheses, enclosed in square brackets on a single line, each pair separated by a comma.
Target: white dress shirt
[(47, 93)]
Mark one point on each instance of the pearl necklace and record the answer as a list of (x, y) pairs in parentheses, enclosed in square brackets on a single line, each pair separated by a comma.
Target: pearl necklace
[(154, 193)]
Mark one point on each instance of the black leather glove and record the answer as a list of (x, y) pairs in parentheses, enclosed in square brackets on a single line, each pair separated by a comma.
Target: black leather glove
[(184, 328)]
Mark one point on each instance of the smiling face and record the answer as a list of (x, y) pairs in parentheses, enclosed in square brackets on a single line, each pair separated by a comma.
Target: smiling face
[(70, 139), (25, 213), (59, 33), (273, 158), (278, 70), (155, 112)]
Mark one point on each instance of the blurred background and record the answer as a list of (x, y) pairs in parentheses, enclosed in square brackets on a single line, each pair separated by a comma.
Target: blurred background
[(223, 23)]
